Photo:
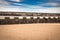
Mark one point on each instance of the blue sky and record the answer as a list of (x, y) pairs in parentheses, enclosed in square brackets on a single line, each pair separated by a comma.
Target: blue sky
[(45, 6)]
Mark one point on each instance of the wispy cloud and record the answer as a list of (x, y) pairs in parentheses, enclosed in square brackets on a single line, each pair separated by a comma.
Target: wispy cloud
[(3, 3), (51, 4), (21, 9), (18, 7), (16, 0), (55, 0)]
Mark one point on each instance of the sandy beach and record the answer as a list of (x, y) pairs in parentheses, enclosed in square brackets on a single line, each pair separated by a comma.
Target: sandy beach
[(30, 32)]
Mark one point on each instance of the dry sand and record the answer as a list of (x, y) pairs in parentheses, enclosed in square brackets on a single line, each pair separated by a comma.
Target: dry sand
[(30, 32)]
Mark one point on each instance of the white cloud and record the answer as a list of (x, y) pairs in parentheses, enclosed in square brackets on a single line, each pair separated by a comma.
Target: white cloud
[(3, 3), (4, 6), (16, 0), (50, 10), (17, 4), (21, 9), (55, 0), (51, 4)]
